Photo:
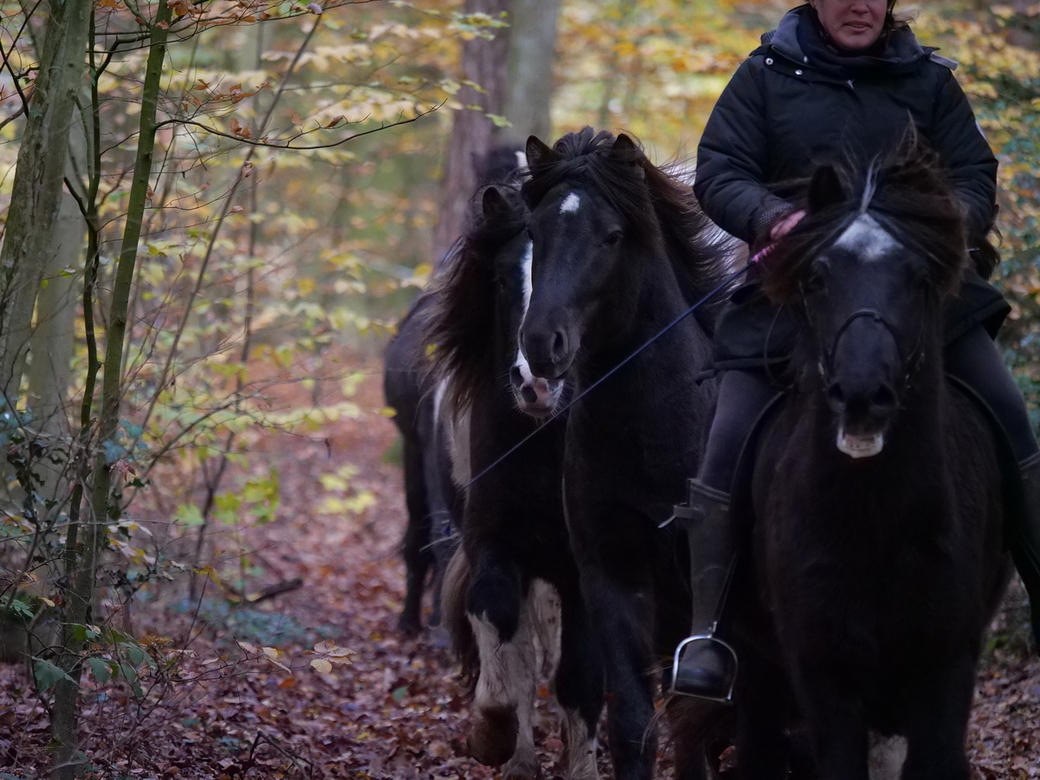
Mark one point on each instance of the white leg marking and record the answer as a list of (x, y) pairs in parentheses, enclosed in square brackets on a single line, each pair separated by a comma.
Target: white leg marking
[(887, 755), (508, 681), (547, 626), (579, 748)]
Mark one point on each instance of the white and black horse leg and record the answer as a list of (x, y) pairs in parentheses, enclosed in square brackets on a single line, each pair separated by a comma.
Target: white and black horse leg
[(578, 686), (501, 616)]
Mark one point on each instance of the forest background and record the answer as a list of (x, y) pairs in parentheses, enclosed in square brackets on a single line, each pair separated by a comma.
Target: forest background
[(245, 197)]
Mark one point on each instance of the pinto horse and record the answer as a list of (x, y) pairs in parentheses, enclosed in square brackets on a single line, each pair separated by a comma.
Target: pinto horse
[(621, 249), (877, 489), (513, 534), (410, 390)]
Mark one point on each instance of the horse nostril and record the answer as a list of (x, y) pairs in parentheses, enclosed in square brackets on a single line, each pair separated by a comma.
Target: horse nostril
[(559, 345), (884, 401), (515, 376), (529, 394), (836, 398)]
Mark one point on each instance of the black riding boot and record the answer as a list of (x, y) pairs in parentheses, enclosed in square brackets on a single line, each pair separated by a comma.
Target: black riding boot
[(1025, 539), (704, 665)]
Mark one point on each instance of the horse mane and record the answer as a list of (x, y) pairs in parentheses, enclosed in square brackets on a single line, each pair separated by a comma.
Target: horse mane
[(908, 193), (461, 323), (647, 197)]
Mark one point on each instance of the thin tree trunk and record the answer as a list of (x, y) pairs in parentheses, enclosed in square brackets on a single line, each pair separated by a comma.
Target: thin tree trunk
[(483, 63), (82, 551), (51, 350), (38, 182), (532, 52)]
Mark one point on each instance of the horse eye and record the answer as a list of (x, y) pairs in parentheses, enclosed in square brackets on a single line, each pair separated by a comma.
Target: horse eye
[(815, 283), (612, 239)]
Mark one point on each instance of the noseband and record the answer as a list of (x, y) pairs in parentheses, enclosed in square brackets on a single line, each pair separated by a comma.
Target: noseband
[(912, 361)]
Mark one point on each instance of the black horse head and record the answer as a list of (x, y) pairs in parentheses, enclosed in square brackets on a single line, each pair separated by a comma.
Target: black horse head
[(869, 268), (599, 210)]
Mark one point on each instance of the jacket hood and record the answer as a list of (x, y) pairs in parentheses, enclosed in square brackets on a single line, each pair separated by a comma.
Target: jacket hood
[(799, 39)]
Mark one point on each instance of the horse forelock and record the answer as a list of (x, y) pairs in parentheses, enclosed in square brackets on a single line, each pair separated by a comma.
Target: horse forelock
[(463, 323), (651, 201), (910, 197)]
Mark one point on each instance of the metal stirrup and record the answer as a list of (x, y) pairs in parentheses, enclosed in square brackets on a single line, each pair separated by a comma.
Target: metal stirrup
[(728, 699)]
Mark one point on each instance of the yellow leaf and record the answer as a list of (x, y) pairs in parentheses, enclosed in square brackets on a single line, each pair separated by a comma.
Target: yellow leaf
[(321, 666)]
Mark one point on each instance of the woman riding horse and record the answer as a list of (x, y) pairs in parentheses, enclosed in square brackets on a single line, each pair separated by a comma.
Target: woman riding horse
[(837, 78)]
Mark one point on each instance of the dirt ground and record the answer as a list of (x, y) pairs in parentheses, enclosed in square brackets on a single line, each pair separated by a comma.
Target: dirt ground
[(315, 683)]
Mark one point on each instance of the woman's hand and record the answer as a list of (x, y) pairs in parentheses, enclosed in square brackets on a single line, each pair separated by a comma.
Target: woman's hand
[(785, 225)]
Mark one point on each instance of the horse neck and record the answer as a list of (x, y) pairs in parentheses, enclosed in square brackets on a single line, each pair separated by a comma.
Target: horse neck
[(643, 299)]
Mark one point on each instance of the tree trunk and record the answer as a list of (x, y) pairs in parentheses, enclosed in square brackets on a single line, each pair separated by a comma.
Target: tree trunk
[(532, 52), (483, 63), (51, 350), (38, 183), (86, 538)]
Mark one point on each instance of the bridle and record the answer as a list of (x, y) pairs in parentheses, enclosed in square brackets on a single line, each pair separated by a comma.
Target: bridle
[(912, 360)]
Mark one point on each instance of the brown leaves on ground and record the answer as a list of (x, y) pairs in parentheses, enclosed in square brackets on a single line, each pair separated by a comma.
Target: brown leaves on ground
[(345, 696)]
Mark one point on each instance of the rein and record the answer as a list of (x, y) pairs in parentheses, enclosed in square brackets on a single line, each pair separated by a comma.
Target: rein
[(758, 257)]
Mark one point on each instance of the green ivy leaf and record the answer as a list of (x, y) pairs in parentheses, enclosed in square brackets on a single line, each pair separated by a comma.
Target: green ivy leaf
[(101, 670), (47, 675)]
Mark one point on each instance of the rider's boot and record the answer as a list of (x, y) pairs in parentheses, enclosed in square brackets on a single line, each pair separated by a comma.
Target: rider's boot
[(1025, 539), (706, 666)]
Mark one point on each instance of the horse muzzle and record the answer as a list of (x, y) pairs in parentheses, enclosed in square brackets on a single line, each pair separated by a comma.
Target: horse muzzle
[(549, 351), (535, 396)]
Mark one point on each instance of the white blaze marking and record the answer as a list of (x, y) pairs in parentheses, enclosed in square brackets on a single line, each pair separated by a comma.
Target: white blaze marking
[(570, 204), (866, 238), (525, 268)]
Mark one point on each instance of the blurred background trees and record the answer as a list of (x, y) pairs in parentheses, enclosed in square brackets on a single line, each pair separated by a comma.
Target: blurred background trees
[(161, 279)]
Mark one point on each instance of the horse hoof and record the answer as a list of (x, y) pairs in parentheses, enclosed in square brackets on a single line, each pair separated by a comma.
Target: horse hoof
[(492, 739), (408, 626), (522, 769)]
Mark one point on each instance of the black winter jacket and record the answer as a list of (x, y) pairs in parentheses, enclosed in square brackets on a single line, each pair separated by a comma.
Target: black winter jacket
[(784, 112)]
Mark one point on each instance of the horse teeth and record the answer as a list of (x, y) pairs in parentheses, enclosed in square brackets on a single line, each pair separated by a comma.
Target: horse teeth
[(860, 446)]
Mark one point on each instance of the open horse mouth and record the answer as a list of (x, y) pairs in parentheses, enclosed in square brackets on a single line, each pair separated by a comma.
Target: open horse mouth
[(860, 445)]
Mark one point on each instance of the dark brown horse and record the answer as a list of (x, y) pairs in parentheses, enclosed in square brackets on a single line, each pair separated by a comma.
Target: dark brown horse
[(621, 250), (877, 490)]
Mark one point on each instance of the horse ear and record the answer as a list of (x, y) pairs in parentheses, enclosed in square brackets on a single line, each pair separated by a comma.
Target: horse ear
[(825, 188), (538, 153), (624, 143), (493, 203)]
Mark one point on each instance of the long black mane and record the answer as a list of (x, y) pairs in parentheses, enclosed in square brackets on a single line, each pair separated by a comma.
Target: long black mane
[(908, 193), (461, 324), (647, 197)]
